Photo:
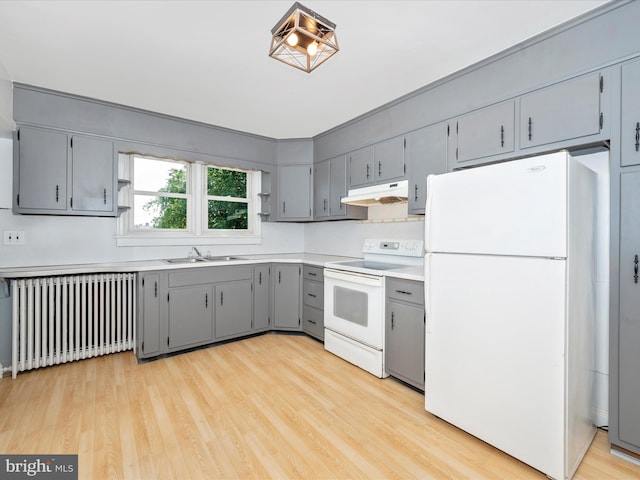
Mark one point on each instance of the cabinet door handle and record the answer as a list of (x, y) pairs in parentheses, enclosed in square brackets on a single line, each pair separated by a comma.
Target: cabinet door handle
[(415, 195), (312, 274), (279, 276), (57, 193), (393, 321), (221, 298), (367, 170), (530, 128), (206, 300), (403, 292), (104, 195), (502, 135), (635, 269), (284, 206), (312, 321), (311, 295), (259, 278), (637, 136), (155, 289), (325, 204), (379, 168)]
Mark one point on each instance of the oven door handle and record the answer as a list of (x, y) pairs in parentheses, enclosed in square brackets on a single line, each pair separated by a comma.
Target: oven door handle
[(354, 277)]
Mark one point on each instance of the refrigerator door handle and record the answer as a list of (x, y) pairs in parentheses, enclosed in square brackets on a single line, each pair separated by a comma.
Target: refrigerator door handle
[(427, 211), (427, 293)]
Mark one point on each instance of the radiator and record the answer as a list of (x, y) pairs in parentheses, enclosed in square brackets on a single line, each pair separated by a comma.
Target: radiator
[(67, 318)]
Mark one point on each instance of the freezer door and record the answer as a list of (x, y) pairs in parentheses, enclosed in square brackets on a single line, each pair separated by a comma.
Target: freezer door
[(511, 208), (495, 342)]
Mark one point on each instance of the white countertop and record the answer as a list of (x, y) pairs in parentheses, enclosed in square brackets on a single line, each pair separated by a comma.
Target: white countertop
[(408, 273)]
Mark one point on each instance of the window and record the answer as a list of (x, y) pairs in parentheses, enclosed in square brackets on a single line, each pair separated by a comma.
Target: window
[(177, 202)]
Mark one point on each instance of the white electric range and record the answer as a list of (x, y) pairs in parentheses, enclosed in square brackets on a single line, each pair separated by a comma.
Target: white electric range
[(354, 301)]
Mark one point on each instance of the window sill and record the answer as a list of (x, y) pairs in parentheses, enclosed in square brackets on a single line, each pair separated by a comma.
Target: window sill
[(188, 240)]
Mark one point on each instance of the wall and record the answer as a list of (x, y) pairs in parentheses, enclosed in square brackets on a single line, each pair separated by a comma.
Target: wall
[(7, 125)]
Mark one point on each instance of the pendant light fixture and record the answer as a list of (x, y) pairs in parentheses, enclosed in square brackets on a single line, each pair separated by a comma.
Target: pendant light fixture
[(303, 39)]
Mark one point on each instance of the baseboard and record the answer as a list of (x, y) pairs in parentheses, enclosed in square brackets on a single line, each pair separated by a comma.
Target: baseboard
[(601, 417)]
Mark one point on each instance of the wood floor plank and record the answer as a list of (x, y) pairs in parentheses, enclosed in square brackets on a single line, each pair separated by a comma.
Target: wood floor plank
[(271, 406)]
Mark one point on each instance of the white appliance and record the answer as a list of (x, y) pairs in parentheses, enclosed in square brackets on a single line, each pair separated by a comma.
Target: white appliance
[(394, 192), (510, 305), (354, 301)]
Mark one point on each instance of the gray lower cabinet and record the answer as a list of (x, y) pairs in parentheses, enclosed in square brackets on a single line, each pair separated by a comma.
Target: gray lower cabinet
[(261, 297), (286, 296), (482, 134), (63, 174), (624, 416), (313, 301), (563, 111), (426, 154), (294, 193), (405, 331), (149, 320), (190, 318), (630, 115), (232, 310)]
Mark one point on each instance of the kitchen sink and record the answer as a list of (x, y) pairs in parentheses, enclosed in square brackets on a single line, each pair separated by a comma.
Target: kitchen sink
[(223, 258), (185, 260)]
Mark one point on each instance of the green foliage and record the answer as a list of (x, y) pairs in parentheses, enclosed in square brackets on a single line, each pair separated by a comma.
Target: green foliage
[(172, 212)]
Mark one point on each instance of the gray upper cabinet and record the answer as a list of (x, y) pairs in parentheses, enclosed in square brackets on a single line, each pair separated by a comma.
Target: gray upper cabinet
[(361, 167), (329, 186), (261, 297), (426, 154), (62, 174), (294, 192), (321, 189), (190, 316), (40, 171), (630, 114), (624, 419), (567, 110), (286, 297), (92, 174), (233, 309), (388, 160), (483, 133)]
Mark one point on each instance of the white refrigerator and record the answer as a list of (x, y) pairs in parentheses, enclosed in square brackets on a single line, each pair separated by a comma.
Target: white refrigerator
[(510, 307)]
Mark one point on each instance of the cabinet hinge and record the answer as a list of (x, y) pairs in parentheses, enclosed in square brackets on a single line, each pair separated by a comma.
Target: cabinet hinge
[(447, 129), (309, 171), (298, 321), (167, 341), (142, 282), (601, 84), (71, 142), (405, 143), (71, 202), (404, 167), (167, 297), (18, 135), (457, 131)]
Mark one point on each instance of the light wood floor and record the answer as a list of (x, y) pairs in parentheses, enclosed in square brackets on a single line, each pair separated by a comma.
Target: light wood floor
[(273, 406)]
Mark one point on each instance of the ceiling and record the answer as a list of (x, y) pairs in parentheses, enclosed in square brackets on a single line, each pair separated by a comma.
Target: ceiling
[(207, 60)]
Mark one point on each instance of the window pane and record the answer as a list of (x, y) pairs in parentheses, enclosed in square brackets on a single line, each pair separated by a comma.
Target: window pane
[(159, 212), (226, 183), (159, 176), (227, 215)]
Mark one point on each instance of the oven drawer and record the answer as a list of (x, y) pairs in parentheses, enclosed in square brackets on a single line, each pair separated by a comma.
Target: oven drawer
[(405, 290), (313, 294)]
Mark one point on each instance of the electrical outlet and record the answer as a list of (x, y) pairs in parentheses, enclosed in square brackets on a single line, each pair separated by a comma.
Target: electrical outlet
[(13, 237)]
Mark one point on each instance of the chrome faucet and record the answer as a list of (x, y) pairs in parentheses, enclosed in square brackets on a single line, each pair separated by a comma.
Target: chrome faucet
[(198, 254)]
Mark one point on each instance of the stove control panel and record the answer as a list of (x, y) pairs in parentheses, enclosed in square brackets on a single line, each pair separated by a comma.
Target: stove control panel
[(406, 248)]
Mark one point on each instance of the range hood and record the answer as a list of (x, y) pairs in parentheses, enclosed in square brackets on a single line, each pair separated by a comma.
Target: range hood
[(395, 192)]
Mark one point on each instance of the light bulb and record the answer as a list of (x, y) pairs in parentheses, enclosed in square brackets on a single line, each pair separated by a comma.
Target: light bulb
[(292, 39), (312, 49)]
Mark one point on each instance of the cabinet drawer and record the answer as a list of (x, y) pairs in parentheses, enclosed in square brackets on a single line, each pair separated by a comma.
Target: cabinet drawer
[(313, 294), (405, 290), (313, 322), (313, 273)]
